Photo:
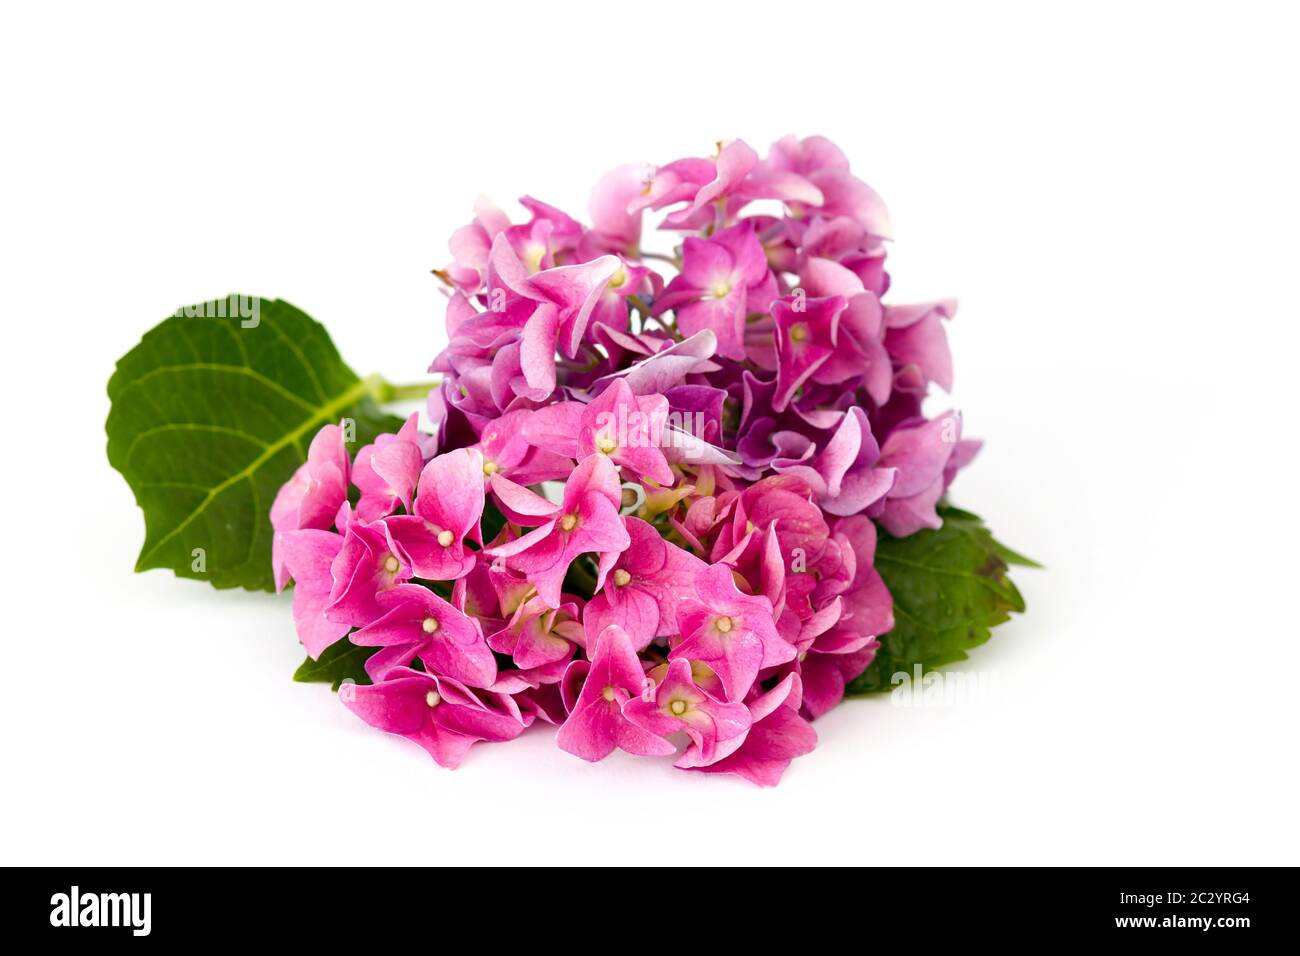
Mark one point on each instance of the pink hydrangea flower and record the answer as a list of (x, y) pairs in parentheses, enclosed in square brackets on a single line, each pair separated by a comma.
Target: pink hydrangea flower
[(537, 635), (722, 277), (860, 347), (367, 564), (614, 227), (919, 454), (386, 472), (733, 633), (777, 734), (447, 508), (596, 726), (586, 521), (734, 415), (627, 428), (827, 168), (508, 453), (440, 714), (807, 336), (307, 557), (417, 623), (638, 588), (915, 337), (676, 703), (312, 497)]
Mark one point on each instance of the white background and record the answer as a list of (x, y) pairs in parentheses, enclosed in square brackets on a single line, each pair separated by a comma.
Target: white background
[(1111, 190)]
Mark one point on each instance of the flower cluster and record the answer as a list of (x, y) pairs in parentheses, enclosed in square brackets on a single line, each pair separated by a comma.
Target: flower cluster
[(649, 510)]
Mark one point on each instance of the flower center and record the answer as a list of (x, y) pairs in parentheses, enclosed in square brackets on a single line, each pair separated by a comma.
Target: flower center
[(798, 332), (490, 468), (702, 672), (534, 253), (433, 699), (568, 522), (620, 277), (677, 707), (621, 577), (391, 565), (606, 445), (724, 624), (721, 289), (445, 538), (608, 693), (429, 625)]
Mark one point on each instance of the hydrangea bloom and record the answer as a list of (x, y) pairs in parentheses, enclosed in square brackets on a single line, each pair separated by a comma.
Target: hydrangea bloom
[(650, 509)]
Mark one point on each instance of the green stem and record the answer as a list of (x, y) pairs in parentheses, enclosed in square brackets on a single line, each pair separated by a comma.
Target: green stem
[(671, 260), (385, 391), (581, 576)]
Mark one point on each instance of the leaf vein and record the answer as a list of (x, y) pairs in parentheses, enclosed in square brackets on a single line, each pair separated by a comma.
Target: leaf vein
[(217, 367), (321, 414)]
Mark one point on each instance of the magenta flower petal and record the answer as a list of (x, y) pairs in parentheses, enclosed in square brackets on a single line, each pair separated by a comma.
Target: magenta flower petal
[(676, 182), (596, 725), (915, 336), (905, 516), (722, 315), (312, 497), (671, 365), (448, 506), (845, 195), (678, 704), (521, 505), (538, 635), (618, 228), (575, 290), (424, 625), (399, 464), (920, 453), (398, 458), (706, 263), (734, 633), (627, 428), (440, 714), (825, 676), (537, 351), (367, 564), (713, 289), (734, 162), (639, 587), (308, 555), (806, 337), (554, 427), (776, 736), (587, 521), (451, 491)]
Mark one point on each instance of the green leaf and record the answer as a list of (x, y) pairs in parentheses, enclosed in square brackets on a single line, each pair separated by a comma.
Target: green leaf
[(950, 588), (1014, 557), (212, 412), (338, 662)]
